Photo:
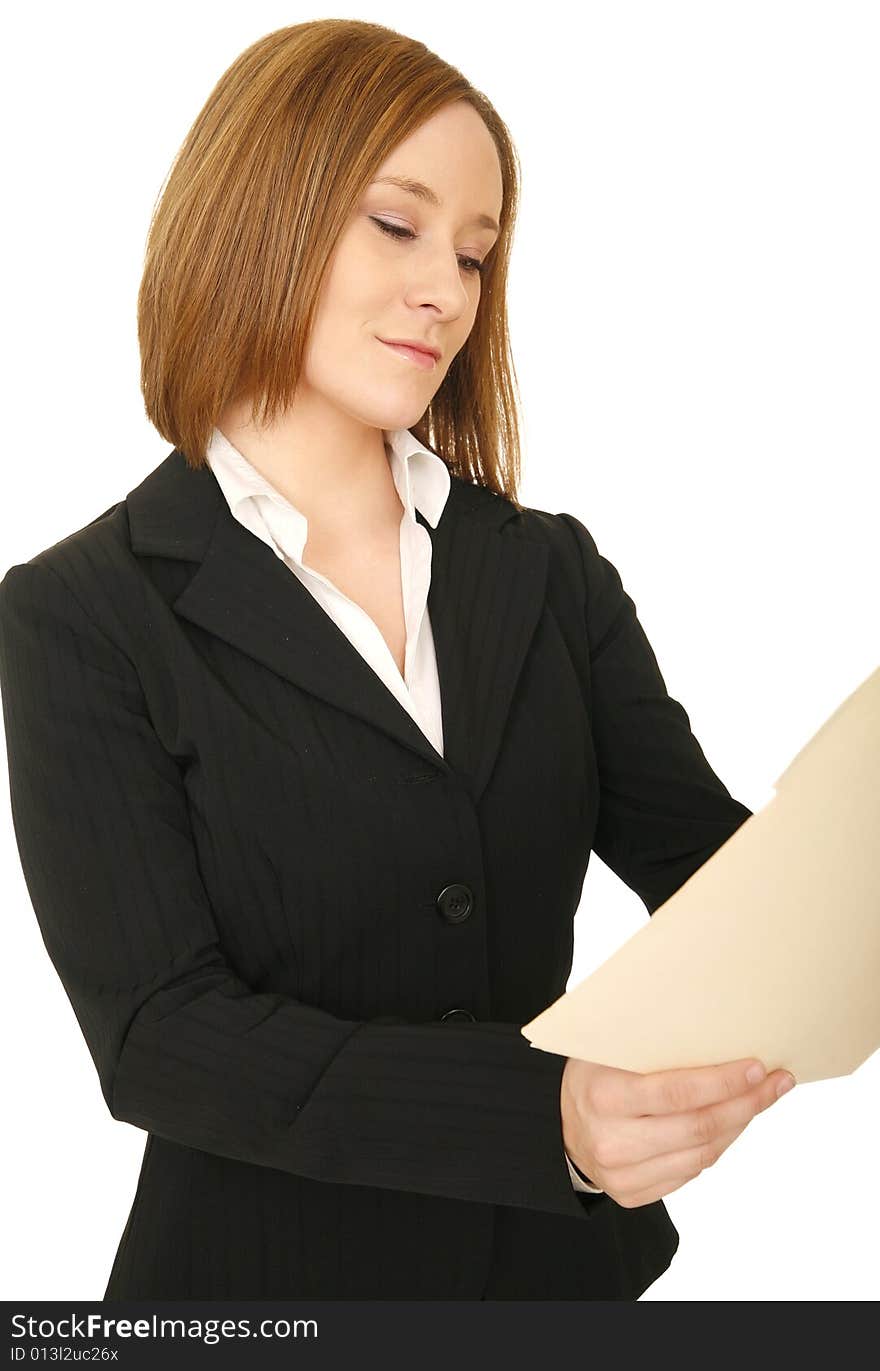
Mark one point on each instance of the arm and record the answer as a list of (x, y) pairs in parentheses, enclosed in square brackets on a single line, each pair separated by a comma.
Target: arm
[(663, 810), (183, 1047)]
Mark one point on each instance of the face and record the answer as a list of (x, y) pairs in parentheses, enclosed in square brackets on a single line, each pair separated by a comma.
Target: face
[(405, 268)]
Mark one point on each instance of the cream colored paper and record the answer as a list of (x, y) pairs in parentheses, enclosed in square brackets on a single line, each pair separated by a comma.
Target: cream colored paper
[(772, 948)]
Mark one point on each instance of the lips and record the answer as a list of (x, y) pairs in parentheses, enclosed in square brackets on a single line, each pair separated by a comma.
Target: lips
[(417, 355)]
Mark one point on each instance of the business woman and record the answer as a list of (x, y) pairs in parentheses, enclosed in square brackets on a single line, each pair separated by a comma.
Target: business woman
[(311, 735)]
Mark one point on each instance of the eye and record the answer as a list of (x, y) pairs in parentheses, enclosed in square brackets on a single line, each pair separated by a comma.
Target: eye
[(469, 264)]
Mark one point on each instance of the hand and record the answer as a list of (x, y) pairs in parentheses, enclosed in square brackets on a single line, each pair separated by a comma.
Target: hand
[(641, 1136)]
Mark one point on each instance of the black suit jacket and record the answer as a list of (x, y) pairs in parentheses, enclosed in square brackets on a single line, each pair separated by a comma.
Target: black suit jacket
[(300, 943)]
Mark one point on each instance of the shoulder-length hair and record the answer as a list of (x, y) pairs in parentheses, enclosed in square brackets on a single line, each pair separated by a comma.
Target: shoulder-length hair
[(247, 220)]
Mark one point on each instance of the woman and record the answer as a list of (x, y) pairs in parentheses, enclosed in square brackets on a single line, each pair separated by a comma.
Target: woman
[(311, 735)]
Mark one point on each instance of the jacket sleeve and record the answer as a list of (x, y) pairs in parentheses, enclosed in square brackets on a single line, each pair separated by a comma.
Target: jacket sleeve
[(663, 811), (183, 1047)]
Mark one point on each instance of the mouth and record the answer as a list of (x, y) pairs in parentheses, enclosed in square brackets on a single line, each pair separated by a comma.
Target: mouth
[(425, 360)]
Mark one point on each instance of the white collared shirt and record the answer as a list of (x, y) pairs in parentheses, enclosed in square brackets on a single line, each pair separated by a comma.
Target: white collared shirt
[(423, 482)]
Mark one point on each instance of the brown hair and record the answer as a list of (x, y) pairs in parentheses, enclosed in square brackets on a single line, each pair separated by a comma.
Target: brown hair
[(241, 235)]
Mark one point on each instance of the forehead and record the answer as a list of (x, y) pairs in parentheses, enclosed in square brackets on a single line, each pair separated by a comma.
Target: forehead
[(450, 157)]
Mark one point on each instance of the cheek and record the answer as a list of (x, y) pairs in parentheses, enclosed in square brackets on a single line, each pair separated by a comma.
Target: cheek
[(353, 302), (359, 275)]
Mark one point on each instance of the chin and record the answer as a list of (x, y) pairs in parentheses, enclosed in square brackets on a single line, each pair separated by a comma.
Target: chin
[(394, 415)]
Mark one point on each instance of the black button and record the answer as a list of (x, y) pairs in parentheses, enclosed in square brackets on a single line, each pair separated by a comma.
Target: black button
[(455, 903), (459, 1015)]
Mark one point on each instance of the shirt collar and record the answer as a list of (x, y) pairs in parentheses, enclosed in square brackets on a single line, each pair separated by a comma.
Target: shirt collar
[(421, 478)]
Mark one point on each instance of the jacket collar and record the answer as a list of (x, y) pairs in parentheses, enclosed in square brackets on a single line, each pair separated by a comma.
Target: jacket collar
[(485, 598)]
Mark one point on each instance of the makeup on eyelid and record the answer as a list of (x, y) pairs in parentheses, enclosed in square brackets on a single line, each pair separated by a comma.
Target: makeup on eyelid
[(473, 267)]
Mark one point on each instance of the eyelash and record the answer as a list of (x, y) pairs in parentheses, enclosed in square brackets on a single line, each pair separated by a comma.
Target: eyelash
[(472, 266)]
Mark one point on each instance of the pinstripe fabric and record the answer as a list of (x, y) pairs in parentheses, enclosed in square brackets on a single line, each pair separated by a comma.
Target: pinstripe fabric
[(238, 846), (422, 481)]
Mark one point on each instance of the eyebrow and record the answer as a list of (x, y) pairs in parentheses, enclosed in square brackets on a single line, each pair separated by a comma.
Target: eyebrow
[(423, 192)]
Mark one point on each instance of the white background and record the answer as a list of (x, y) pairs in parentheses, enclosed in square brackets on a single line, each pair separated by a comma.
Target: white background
[(695, 295)]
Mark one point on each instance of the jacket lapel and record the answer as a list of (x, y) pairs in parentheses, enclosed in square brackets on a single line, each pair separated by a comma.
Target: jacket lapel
[(484, 602)]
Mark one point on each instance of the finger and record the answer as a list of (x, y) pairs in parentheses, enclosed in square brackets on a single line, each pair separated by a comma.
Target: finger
[(650, 1180), (677, 1091), (662, 1135)]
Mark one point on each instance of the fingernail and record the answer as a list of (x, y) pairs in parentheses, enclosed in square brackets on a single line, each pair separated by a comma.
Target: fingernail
[(755, 1073), (785, 1084)]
